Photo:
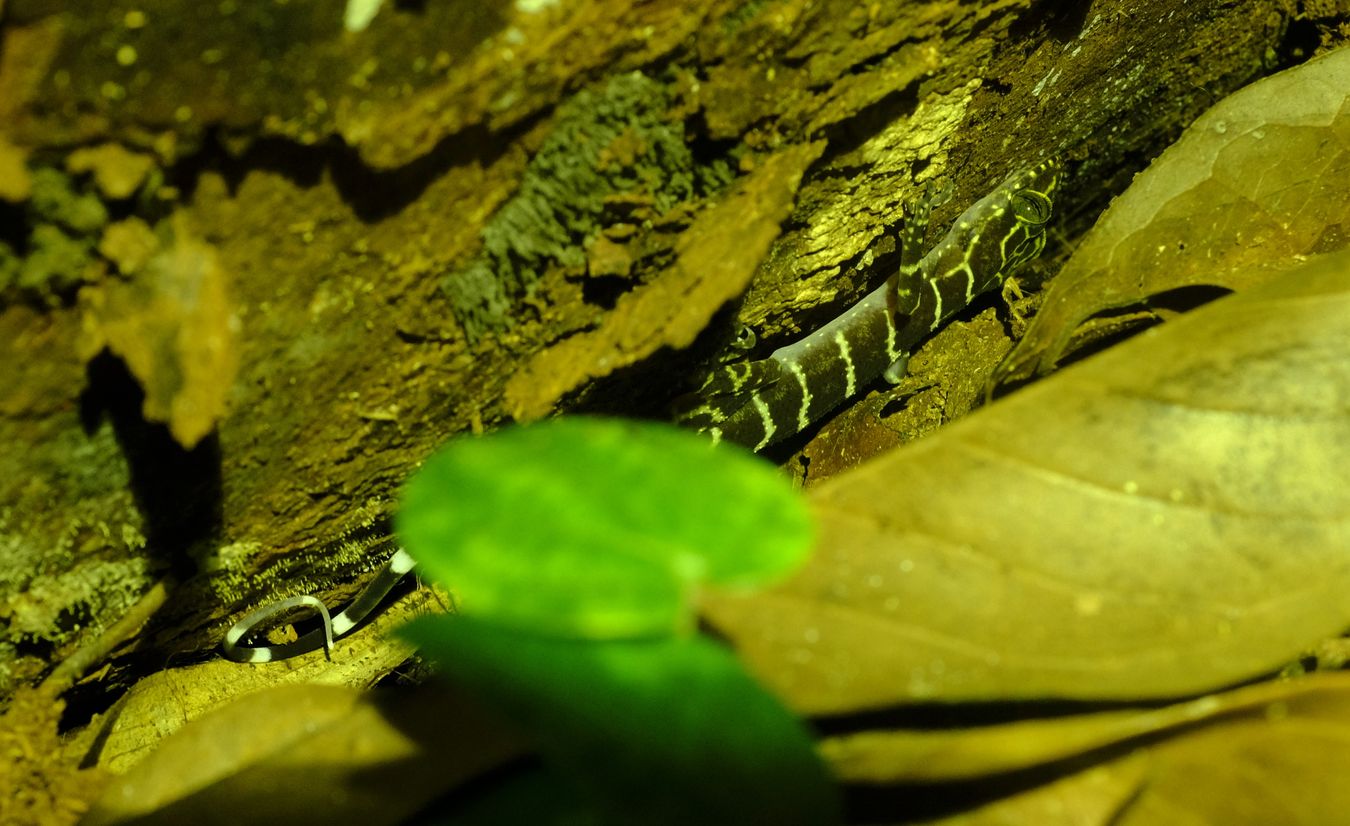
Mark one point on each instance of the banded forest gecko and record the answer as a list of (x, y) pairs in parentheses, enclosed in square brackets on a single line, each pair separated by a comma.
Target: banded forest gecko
[(758, 403)]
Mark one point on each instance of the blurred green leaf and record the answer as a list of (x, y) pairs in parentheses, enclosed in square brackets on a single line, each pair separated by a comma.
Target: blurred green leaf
[(657, 731), (598, 528)]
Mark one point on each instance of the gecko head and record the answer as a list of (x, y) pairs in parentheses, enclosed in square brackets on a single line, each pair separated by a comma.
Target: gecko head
[(1030, 193)]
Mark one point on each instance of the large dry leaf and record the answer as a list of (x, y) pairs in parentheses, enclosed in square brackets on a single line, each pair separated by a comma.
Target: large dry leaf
[(175, 328), (310, 754), (162, 703), (1168, 517), (1088, 799), (1275, 753), (1262, 177), (944, 755)]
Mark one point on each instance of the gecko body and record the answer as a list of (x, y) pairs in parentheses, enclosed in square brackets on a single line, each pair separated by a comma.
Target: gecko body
[(757, 403)]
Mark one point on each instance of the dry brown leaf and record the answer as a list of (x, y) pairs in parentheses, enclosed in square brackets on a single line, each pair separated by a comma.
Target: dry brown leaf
[(311, 754), (1166, 518), (909, 756), (163, 702), (175, 328), (1271, 753), (118, 171), (1283, 762), (1262, 177), (716, 258), (1090, 798)]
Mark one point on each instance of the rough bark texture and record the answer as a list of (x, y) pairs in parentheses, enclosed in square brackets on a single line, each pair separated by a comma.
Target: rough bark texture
[(398, 221)]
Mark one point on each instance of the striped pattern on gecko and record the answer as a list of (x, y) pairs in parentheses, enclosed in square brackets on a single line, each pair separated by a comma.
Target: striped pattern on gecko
[(757, 403)]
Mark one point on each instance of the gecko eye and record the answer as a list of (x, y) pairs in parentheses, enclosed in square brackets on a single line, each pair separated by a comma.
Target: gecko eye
[(741, 343), (745, 338), (1031, 207)]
